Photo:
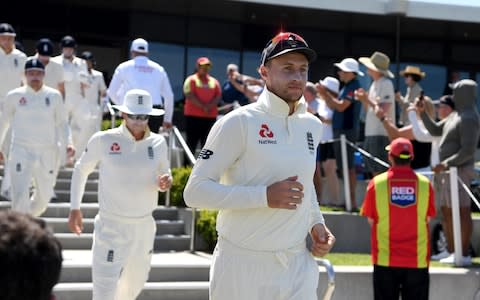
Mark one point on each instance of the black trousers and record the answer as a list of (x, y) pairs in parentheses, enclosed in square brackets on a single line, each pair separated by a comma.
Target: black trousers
[(154, 122), (197, 130), (391, 282)]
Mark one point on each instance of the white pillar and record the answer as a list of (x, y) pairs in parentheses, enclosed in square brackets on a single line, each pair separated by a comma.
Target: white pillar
[(457, 232), (346, 178)]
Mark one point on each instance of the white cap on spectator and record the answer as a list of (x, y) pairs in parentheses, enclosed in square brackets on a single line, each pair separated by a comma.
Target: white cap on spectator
[(349, 65), (331, 84), (139, 45)]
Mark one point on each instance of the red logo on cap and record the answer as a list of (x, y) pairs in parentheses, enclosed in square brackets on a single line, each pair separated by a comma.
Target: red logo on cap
[(265, 132), (115, 147)]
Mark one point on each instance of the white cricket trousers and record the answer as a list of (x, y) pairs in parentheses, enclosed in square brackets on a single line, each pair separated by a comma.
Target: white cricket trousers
[(240, 274), (78, 118), (122, 251), (32, 162)]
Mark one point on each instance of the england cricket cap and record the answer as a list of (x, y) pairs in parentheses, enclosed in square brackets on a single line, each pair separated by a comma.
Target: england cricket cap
[(138, 102), (34, 64), (68, 42), (45, 47), (401, 147), (139, 45), (286, 42), (87, 55), (7, 29)]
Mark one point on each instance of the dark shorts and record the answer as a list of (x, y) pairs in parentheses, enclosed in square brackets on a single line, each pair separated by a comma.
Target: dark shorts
[(325, 151), (352, 136), (375, 145), (391, 282)]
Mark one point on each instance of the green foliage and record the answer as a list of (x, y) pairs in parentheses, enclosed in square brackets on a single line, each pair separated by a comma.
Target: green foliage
[(106, 124), (206, 227), (180, 178)]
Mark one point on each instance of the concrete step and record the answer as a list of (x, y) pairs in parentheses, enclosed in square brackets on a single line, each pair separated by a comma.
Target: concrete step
[(177, 266), (163, 242), (173, 227), (64, 196), (64, 184), (151, 291), (66, 173)]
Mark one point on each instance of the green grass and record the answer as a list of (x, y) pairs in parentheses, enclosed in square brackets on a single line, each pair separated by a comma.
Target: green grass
[(361, 259)]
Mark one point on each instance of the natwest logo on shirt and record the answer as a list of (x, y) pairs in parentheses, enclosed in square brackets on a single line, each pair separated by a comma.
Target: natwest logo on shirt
[(115, 148), (266, 134), (22, 101), (403, 193)]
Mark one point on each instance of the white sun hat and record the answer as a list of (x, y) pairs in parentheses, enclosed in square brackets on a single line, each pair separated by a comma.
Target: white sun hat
[(138, 102), (349, 65), (331, 84)]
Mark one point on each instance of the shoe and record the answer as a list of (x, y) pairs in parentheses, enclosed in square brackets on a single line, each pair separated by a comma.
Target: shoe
[(465, 261), (441, 255)]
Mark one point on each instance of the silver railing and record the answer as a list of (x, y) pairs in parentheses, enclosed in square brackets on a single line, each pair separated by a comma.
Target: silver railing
[(112, 113), (327, 295)]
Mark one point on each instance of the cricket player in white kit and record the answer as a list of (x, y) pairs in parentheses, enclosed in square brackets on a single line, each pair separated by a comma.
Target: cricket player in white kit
[(12, 63), (143, 73), (75, 75), (257, 168), (35, 113), (133, 166), (95, 91), (53, 69)]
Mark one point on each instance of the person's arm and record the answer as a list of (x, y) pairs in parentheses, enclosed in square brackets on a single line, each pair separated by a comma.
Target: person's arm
[(164, 177), (62, 128), (218, 96), (420, 133), (114, 87), (339, 105), (8, 112), (85, 165), (203, 189), (392, 130), (167, 94)]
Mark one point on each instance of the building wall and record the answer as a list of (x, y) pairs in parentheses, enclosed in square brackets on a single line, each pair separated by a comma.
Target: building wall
[(230, 31)]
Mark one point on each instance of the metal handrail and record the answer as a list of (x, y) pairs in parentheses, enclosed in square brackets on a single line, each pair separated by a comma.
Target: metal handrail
[(330, 278), (112, 113), (177, 134)]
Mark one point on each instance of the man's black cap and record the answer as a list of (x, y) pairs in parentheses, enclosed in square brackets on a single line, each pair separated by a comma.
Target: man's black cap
[(7, 29), (87, 55), (34, 63), (45, 47), (68, 42), (285, 42)]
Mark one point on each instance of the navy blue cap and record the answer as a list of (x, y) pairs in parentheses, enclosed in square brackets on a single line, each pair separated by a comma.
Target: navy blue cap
[(34, 63), (87, 55), (45, 47), (7, 29), (68, 42), (285, 42)]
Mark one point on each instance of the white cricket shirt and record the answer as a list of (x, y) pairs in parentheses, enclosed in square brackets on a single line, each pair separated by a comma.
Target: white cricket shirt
[(53, 73), (95, 86), (142, 73), (247, 150), (74, 73), (12, 67), (128, 171), (36, 118)]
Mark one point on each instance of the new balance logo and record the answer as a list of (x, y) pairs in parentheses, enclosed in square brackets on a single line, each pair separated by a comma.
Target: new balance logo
[(205, 154)]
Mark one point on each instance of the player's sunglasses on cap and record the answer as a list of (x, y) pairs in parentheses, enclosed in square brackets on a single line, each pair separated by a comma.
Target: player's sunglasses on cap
[(138, 117), (285, 42)]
